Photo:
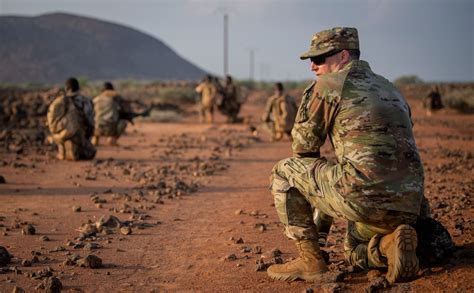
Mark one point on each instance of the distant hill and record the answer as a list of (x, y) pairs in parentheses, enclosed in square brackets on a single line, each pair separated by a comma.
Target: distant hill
[(51, 47)]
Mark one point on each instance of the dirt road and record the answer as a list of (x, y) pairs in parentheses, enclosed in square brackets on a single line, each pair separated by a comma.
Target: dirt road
[(209, 240)]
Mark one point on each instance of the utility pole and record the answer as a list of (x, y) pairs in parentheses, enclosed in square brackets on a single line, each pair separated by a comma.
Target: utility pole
[(251, 64), (226, 44)]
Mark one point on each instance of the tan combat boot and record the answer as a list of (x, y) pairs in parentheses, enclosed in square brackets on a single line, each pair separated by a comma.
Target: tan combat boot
[(399, 248), (309, 266), (60, 155), (95, 140), (112, 141)]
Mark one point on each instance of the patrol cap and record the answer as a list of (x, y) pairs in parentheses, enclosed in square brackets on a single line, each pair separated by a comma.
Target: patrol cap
[(335, 39)]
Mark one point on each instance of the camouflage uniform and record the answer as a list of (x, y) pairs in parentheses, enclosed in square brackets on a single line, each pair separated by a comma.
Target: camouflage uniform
[(377, 181), (71, 122), (107, 107), (432, 101), (279, 115), (231, 102), (208, 93)]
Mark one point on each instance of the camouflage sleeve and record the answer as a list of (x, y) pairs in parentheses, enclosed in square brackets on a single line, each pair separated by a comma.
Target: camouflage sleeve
[(283, 109), (268, 109), (198, 89), (314, 118)]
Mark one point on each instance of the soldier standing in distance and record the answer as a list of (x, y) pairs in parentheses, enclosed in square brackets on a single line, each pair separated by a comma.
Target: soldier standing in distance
[(280, 113), (231, 102), (432, 101), (377, 181), (208, 93)]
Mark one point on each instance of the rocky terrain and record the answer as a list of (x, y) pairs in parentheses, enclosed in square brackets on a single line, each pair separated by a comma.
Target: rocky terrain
[(186, 207)]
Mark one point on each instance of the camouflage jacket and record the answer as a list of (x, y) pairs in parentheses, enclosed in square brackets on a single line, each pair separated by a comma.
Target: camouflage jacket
[(282, 110), (369, 125), (106, 108), (208, 93)]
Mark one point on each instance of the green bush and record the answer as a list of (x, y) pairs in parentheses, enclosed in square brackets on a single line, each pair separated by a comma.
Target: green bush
[(178, 95), (407, 79), (460, 99)]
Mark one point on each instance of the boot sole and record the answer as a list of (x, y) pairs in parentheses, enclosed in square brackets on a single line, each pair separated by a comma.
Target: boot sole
[(309, 277), (404, 265)]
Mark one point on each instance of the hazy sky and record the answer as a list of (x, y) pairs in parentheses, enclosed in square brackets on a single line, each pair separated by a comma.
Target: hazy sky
[(433, 39)]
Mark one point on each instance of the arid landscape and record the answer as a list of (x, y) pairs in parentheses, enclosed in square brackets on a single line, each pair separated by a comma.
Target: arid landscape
[(182, 206)]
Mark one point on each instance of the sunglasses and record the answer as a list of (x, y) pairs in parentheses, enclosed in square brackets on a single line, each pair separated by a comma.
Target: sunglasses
[(319, 60)]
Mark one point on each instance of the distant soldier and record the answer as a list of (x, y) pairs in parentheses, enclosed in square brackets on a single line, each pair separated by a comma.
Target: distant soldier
[(208, 92), (280, 113), (71, 122), (432, 101), (107, 107), (231, 102)]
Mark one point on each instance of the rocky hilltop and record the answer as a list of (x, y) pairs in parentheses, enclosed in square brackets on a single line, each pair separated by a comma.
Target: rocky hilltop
[(51, 47)]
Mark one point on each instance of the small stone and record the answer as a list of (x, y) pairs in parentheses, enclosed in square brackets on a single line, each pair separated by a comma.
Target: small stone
[(76, 209), (26, 263), (2, 180), (52, 285), (90, 261), (5, 256), (28, 230), (109, 222), (308, 290), (260, 265), (239, 212), (257, 250), (126, 230), (230, 257), (91, 246), (275, 252), (44, 238), (239, 241)]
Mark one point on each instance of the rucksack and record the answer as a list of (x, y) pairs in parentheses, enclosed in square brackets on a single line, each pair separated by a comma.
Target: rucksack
[(64, 120)]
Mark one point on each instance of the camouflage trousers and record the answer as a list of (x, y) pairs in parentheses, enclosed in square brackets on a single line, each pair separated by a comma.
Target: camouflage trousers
[(206, 113), (115, 128), (75, 148), (277, 132), (306, 203)]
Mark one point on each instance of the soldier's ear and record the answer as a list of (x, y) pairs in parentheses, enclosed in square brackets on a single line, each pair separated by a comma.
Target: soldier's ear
[(345, 56)]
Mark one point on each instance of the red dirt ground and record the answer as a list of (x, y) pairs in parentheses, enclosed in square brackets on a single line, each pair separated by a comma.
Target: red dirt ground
[(186, 250)]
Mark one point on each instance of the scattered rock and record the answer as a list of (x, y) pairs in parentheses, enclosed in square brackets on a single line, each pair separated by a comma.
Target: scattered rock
[(239, 212), (126, 230), (28, 230), (26, 263), (90, 261), (76, 209), (230, 257), (91, 246), (2, 180), (5, 256), (275, 252), (239, 241), (52, 285), (261, 265), (109, 222), (376, 284), (44, 238)]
